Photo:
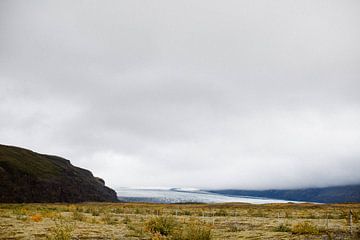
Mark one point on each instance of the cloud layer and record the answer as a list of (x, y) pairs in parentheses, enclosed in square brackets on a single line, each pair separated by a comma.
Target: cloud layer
[(211, 94)]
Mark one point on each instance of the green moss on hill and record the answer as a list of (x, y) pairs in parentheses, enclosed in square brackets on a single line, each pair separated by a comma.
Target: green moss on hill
[(26, 176)]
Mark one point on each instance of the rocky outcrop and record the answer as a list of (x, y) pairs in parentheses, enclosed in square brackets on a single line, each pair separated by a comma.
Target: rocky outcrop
[(26, 176)]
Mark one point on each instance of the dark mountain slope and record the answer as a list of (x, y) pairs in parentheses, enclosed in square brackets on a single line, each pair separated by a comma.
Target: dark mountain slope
[(338, 194), (26, 176)]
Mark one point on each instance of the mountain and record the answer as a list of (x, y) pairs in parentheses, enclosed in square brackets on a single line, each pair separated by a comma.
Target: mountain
[(338, 194), (26, 176)]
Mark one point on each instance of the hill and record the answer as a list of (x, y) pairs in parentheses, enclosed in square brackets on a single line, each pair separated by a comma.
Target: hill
[(27, 176), (337, 194)]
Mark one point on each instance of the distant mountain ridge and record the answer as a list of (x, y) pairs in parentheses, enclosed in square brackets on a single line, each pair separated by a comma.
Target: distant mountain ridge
[(336, 194), (27, 176)]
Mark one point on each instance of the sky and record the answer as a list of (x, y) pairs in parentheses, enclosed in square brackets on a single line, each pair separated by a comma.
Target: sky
[(206, 94)]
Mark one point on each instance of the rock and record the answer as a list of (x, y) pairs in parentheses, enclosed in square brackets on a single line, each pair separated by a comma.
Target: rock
[(26, 176)]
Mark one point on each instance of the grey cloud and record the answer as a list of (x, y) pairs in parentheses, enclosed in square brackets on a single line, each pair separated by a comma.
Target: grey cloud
[(200, 94)]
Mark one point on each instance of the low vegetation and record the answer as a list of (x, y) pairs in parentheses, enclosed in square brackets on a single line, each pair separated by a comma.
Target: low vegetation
[(61, 231), (282, 228), (178, 221), (163, 225), (305, 228), (193, 231)]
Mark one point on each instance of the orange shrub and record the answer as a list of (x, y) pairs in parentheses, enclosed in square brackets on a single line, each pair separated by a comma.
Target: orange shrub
[(36, 218)]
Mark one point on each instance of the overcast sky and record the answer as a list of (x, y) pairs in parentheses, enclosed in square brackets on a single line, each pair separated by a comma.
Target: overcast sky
[(207, 94)]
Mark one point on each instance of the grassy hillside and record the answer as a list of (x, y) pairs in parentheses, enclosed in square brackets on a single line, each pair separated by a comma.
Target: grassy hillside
[(26, 176)]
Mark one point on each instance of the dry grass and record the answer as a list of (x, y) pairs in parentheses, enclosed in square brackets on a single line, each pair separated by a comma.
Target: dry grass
[(177, 221)]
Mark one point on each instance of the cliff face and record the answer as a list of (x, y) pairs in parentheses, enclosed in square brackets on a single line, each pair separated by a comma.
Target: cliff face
[(26, 176)]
